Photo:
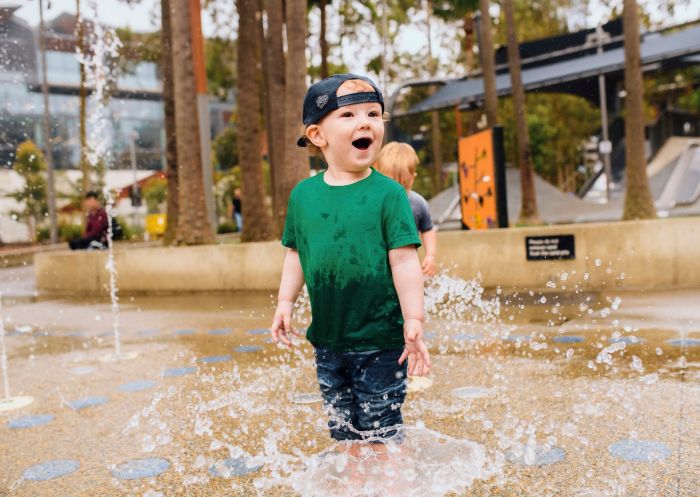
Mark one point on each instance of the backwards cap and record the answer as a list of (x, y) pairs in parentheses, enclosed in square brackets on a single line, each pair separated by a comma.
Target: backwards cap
[(321, 98)]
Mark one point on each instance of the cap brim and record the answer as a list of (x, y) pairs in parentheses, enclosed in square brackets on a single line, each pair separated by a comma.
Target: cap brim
[(302, 141)]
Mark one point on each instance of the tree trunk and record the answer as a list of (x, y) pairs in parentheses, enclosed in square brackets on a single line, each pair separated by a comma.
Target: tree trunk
[(193, 226), (468, 26), (82, 112), (488, 64), (296, 158), (273, 53), (436, 135), (169, 122), (528, 210), (324, 42), (257, 224), (638, 200)]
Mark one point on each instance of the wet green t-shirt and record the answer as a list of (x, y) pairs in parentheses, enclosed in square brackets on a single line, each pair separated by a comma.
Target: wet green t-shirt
[(343, 235)]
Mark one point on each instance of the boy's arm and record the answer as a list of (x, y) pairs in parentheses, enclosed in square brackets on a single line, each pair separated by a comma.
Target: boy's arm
[(429, 239), (292, 281), (408, 280)]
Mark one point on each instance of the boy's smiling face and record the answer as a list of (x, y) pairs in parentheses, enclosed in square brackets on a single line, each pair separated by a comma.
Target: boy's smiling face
[(351, 136)]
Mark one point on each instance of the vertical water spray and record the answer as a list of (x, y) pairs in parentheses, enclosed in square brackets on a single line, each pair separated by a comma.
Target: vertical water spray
[(3, 355), (100, 72), (8, 403)]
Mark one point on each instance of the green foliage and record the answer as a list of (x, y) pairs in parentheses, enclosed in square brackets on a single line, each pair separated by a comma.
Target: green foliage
[(226, 182), (451, 10), (558, 124), (138, 47), (225, 147), (131, 232), (31, 165), (220, 66), (227, 227), (534, 20), (66, 232), (155, 193)]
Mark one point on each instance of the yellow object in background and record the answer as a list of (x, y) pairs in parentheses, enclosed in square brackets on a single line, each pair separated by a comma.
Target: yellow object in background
[(155, 224)]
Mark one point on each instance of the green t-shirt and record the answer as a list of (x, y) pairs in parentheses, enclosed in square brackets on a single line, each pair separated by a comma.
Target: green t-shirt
[(343, 235)]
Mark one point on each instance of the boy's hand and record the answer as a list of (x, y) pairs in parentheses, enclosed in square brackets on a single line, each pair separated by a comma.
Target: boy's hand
[(429, 267), (415, 349), (282, 323)]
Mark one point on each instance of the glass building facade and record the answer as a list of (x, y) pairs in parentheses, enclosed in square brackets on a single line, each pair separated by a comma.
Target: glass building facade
[(135, 105)]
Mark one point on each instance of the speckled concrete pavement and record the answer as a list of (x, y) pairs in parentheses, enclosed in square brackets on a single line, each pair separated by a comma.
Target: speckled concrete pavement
[(609, 400)]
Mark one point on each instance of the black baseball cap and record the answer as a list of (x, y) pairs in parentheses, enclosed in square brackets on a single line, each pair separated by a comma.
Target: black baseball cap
[(321, 99)]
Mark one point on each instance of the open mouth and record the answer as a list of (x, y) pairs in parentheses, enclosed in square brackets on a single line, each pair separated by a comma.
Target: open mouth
[(362, 143)]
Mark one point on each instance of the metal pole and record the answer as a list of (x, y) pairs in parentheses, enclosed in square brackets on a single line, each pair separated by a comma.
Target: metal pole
[(51, 192), (132, 150), (605, 152)]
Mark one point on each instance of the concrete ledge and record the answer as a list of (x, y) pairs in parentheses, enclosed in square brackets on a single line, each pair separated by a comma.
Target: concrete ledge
[(635, 254), (248, 266), (662, 253)]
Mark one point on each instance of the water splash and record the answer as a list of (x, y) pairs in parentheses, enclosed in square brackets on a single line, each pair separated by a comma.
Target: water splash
[(226, 423)]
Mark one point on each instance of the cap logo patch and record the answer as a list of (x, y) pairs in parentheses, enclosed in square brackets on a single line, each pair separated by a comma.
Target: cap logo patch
[(321, 101)]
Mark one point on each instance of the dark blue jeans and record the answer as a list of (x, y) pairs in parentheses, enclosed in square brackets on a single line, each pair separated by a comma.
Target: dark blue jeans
[(363, 392)]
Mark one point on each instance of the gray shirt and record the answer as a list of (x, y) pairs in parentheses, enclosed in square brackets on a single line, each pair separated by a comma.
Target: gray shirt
[(421, 212)]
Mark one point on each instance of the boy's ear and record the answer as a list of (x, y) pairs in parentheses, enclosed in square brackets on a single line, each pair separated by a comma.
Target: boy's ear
[(315, 136)]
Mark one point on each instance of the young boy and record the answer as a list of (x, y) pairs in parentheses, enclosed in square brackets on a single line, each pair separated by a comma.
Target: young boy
[(399, 161), (350, 235)]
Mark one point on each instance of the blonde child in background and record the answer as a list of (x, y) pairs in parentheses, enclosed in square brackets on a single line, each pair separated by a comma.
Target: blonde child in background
[(399, 161)]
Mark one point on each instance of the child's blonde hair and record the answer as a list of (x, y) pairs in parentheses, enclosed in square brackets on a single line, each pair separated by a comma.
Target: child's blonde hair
[(399, 162)]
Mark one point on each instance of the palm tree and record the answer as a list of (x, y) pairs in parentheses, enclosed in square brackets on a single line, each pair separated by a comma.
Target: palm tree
[(528, 209), (257, 222), (166, 58), (321, 4), (638, 199), (193, 225), (488, 64), (296, 159), (274, 69), (436, 136)]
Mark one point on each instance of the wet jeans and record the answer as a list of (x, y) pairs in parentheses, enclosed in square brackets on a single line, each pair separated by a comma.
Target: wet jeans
[(363, 392)]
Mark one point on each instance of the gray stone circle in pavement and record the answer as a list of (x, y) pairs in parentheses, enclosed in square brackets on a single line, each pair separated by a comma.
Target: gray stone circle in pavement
[(248, 348), (626, 340), (568, 339), (220, 331), (183, 332), (543, 456), (88, 402), (684, 342), (141, 468), (50, 470), (639, 450), (236, 466), (215, 358), (175, 372), (258, 331), (136, 386), (30, 421)]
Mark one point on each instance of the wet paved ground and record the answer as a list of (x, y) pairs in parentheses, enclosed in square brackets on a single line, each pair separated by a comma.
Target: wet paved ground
[(596, 396)]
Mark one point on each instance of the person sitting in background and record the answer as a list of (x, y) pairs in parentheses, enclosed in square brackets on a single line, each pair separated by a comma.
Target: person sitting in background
[(96, 226), (237, 205), (399, 161)]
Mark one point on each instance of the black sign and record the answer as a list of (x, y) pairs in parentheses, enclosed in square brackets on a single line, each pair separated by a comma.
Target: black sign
[(542, 248)]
